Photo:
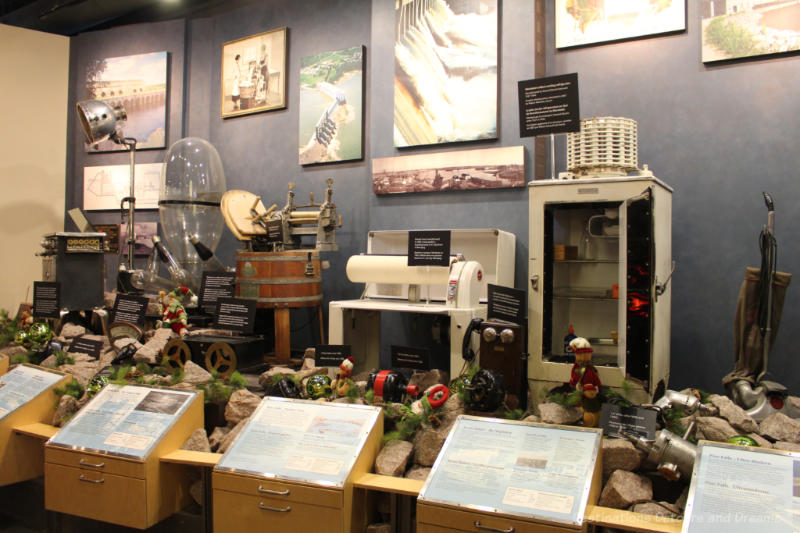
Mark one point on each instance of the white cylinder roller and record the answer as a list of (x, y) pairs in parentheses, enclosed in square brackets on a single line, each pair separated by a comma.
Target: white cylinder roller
[(393, 269)]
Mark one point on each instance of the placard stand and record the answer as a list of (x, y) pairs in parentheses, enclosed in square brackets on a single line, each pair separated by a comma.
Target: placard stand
[(104, 482), (306, 479), (21, 458)]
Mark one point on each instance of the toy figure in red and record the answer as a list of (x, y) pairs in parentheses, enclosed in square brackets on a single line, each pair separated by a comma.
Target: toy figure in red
[(173, 313), (585, 379)]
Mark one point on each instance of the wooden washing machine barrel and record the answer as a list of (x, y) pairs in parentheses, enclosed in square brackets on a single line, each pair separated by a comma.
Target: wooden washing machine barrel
[(280, 281)]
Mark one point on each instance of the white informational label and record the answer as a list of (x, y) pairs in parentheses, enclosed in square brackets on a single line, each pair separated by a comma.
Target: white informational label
[(739, 489), (538, 499), (126, 440)]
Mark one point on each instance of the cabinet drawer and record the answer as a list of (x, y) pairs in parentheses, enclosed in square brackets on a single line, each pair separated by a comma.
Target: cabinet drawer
[(96, 495), (435, 519), (281, 490), (96, 462), (240, 513)]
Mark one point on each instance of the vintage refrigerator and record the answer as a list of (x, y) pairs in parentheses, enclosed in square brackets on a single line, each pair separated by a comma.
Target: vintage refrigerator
[(601, 261)]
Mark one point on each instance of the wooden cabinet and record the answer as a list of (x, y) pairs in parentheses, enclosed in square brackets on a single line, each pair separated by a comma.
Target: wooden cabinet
[(118, 490), (441, 519), (3, 364)]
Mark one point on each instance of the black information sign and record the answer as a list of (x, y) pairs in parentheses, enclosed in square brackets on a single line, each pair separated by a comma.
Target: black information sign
[(129, 308), (46, 299), (428, 248), (411, 357), (331, 354), (274, 231), (215, 285), (506, 303), (237, 314), (615, 419), (88, 346), (549, 105)]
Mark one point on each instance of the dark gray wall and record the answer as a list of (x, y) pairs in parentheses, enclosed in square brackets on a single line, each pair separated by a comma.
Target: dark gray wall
[(718, 135)]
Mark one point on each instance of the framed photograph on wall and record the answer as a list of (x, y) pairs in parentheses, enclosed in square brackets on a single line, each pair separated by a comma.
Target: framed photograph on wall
[(331, 95), (253, 74), (446, 67), (735, 30), (582, 22), (139, 84)]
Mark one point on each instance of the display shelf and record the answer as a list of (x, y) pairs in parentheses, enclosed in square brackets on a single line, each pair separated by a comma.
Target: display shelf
[(3, 364), (26, 399), (111, 453), (294, 466)]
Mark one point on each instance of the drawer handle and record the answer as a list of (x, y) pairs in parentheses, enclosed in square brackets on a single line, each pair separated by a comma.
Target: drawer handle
[(87, 480), (277, 510), (273, 492), (84, 463), (487, 528)]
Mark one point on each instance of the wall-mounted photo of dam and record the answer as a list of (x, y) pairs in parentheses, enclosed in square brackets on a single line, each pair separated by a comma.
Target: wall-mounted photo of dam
[(445, 84)]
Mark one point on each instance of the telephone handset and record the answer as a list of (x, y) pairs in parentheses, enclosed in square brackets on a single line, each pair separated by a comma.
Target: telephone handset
[(466, 347)]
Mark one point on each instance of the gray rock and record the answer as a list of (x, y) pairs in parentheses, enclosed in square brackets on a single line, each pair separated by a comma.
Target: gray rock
[(419, 473), (764, 443), (734, 414), (197, 441), (108, 299), (67, 406), (680, 503), (393, 458), (620, 454), (213, 332), (216, 437), (231, 436), (241, 405), (715, 429), (427, 445), (707, 409), (119, 344), (344, 399), (450, 411), (49, 362), (70, 331), (424, 380), (11, 351), (534, 419), (657, 509), (624, 488), (83, 371), (780, 427), (787, 446), (196, 491), (194, 374), (794, 402), (553, 413), (383, 527), (150, 353), (308, 359), (265, 379)]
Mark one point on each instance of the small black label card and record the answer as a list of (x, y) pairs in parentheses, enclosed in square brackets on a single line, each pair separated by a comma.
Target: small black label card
[(237, 314), (428, 248), (46, 299), (274, 231), (506, 303), (129, 308), (411, 357), (215, 285), (549, 105), (641, 422), (87, 346), (331, 354)]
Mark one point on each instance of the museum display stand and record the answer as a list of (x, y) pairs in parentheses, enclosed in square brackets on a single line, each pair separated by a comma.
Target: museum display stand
[(27, 401), (105, 464), (292, 468)]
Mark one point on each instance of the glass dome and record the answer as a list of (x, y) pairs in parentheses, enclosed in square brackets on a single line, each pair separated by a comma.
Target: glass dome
[(192, 185)]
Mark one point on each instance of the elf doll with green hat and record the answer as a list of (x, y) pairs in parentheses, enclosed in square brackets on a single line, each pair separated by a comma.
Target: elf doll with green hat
[(585, 379)]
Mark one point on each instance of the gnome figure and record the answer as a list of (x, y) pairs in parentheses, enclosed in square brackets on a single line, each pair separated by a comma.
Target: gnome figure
[(173, 313), (585, 379)]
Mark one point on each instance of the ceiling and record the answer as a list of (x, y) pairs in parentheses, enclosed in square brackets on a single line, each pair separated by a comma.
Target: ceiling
[(70, 17)]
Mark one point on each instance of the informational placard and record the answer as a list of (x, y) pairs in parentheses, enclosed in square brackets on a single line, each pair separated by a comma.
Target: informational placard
[(515, 468), (301, 440), (412, 357), (741, 489), (124, 420), (129, 308), (506, 303), (614, 419), (428, 248), (23, 384), (331, 354), (46, 299), (237, 314), (549, 105), (88, 346), (274, 231), (216, 285)]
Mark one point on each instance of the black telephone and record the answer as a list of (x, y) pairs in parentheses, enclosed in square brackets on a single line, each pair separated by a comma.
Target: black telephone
[(466, 347)]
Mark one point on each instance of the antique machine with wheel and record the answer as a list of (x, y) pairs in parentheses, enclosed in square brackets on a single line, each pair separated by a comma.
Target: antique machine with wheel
[(218, 353)]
